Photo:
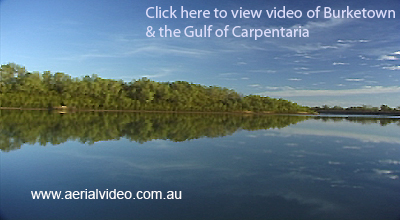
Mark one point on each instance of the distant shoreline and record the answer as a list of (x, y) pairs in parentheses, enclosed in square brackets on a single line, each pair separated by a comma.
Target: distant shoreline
[(350, 112)]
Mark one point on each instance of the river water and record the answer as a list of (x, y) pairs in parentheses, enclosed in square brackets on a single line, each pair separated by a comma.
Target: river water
[(214, 166)]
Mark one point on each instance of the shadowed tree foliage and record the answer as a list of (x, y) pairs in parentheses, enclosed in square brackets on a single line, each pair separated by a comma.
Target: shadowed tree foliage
[(22, 89)]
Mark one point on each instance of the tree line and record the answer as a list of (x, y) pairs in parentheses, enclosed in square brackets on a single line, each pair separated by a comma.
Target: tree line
[(23, 89), (358, 109)]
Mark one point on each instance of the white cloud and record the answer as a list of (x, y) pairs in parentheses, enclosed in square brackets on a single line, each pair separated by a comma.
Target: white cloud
[(160, 72), (301, 68), (319, 83), (85, 56), (343, 92), (354, 80), (279, 88), (339, 63), (295, 79), (262, 71), (353, 41), (155, 75), (386, 57), (171, 50), (391, 67), (241, 63), (227, 74), (302, 50), (363, 57), (255, 85), (315, 71), (323, 24), (329, 47)]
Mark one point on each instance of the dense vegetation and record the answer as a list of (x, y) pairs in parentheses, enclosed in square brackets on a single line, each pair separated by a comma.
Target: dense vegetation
[(43, 127), (23, 89)]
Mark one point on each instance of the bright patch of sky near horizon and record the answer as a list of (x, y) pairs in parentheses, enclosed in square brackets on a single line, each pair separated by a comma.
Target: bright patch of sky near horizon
[(343, 61)]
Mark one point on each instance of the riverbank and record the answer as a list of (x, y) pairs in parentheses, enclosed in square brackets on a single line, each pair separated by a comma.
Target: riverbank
[(350, 112), (73, 110), (318, 112)]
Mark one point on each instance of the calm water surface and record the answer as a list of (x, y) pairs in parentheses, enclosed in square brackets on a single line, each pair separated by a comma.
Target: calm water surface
[(227, 167)]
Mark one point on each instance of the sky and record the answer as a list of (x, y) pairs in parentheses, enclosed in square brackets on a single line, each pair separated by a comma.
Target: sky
[(343, 61)]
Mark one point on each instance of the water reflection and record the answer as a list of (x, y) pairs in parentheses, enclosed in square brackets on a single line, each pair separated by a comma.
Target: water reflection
[(271, 167), (30, 127)]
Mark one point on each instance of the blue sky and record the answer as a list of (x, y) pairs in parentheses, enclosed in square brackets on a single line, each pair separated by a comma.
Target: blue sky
[(344, 62)]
